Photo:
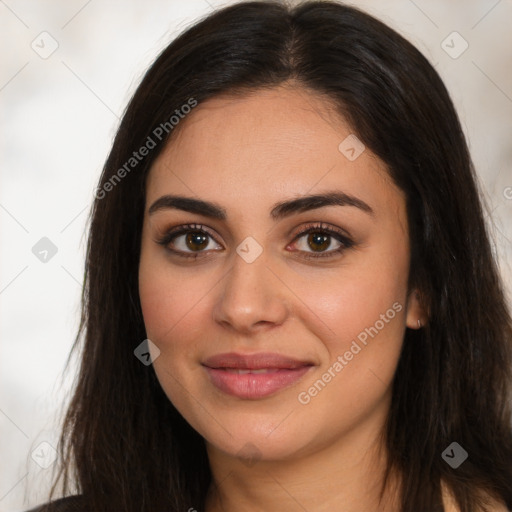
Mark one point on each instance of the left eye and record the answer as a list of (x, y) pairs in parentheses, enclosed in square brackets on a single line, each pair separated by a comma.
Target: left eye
[(317, 241), (321, 242)]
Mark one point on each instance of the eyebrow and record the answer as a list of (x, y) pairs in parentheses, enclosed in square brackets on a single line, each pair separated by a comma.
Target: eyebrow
[(279, 210)]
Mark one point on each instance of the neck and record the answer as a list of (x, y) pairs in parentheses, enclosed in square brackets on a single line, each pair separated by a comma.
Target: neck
[(345, 476)]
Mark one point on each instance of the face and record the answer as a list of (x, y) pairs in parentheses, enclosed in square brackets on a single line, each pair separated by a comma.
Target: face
[(279, 316)]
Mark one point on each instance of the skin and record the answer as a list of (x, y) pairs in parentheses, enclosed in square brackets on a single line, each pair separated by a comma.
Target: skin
[(246, 154)]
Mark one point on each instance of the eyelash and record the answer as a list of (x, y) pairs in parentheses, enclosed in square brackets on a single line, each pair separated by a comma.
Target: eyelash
[(346, 242)]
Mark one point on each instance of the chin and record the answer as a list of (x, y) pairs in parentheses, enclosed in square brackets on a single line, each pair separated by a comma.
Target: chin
[(257, 439)]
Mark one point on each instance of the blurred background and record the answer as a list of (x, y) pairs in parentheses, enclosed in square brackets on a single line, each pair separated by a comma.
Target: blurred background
[(68, 68)]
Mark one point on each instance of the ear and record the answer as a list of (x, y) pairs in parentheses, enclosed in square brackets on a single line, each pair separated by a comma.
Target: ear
[(416, 317)]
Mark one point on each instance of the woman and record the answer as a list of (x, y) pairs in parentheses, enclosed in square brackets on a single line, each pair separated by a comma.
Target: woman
[(291, 301)]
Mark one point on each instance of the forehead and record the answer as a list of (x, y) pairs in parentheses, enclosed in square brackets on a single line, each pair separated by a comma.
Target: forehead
[(268, 144)]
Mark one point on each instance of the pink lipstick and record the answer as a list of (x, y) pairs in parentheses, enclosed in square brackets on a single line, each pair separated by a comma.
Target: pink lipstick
[(254, 376)]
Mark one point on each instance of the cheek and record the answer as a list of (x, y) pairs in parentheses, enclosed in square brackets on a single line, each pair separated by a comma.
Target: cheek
[(168, 298), (156, 302), (352, 302), (364, 307), (170, 306)]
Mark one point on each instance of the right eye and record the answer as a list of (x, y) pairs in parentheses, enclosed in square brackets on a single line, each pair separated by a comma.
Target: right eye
[(188, 241)]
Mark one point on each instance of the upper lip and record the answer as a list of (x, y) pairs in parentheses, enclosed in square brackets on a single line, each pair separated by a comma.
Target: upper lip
[(254, 361)]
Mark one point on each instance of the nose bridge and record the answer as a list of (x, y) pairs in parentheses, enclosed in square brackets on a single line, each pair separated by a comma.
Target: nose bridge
[(251, 294)]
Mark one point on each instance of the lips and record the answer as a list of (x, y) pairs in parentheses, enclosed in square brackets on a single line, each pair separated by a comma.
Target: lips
[(254, 376), (263, 360)]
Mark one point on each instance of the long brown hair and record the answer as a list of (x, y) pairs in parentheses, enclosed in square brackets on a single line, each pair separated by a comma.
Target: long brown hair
[(123, 444)]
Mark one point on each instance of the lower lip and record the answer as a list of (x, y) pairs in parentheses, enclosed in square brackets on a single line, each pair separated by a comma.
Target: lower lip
[(252, 386)]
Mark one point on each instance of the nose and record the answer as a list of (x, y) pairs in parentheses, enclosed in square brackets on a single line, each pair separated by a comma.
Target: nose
[(251, 297)]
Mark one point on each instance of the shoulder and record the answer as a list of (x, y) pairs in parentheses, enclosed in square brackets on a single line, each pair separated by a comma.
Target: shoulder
[(69, 504)]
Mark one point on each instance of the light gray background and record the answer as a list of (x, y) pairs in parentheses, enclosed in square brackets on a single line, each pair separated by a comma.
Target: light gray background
[(59, 116)]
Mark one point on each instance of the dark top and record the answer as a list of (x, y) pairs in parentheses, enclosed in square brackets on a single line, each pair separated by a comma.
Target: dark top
[(69, 504)]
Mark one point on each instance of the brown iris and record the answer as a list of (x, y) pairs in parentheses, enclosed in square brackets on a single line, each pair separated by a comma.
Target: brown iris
[(318, 241), (196, 240)]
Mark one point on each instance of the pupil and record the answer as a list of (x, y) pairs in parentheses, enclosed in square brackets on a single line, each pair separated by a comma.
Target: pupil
[(196, 240), (320, 240)]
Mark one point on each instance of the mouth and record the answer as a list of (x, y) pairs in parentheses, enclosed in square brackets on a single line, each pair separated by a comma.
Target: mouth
[(254, 371), (255, 376)]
